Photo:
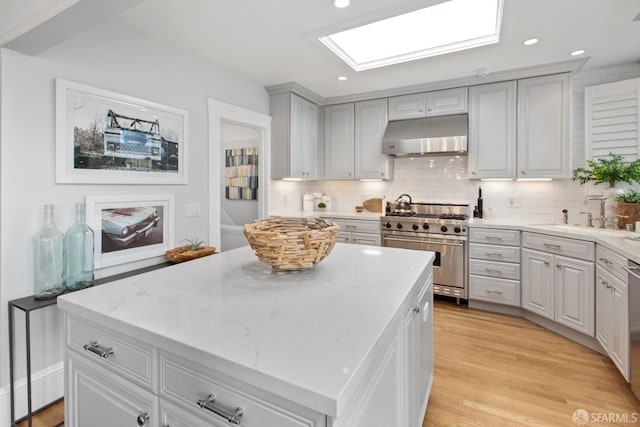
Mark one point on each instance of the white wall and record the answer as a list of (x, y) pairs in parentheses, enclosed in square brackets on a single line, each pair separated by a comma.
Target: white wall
[(116, 59), (445, 179)]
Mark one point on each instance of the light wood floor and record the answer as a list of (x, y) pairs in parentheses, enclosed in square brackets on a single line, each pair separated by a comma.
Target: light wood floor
[(501, 371), (50, 417)]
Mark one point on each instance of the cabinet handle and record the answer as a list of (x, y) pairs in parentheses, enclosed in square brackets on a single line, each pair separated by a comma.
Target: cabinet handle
[(473, 172), (523, 172), (142, 419), (494, 270), (552, 245), (351, 227), (416, 310), (421, 109), (606, 261), (493, 254), (209, 404), (561, 265), (98, 349), (493, 237), (546, 262), (494, 291)]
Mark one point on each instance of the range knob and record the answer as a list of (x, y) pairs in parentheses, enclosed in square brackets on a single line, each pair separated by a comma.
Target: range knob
[(444, 228), (415, 226), (388, 225), (456, 229), (399, 226), (425, 226)]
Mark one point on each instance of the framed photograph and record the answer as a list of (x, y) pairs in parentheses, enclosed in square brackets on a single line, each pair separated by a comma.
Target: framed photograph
[(130, 228), (103, 137)]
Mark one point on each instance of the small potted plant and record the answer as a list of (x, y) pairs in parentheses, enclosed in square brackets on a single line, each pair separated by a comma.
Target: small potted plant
[(194, 249), (322, 206), (613, 170)]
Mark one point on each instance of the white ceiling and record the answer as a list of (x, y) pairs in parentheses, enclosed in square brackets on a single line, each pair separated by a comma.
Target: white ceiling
[(275, 41)]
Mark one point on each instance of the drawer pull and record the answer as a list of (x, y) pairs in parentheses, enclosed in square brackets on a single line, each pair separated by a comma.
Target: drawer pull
[(493, 237), (493, 254), (350, 227), (494, 291), (606, 261), (101, 351), (209, 404), (142, 419), (552, 245), (493, 270)]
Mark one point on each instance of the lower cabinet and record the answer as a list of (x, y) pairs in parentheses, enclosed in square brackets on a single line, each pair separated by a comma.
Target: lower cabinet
[(357, 231), (559, 288), (95, 397)]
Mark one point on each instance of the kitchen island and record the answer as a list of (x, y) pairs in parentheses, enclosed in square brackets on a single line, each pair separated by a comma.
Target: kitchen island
[(226, 339)]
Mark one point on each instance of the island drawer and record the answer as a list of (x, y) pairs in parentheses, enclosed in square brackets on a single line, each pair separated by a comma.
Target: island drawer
[(494, 236), (494, 290), (494, 252), (612, 262), (503, 270), (574, 248), (131, 359), (193, 387)]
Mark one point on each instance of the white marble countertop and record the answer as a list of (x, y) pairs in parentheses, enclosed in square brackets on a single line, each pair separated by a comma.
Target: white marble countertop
[(301, 335), (617, 240)]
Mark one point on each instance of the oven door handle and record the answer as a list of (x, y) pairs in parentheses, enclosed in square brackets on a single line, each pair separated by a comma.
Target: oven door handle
[(425, 241), (631, 270)]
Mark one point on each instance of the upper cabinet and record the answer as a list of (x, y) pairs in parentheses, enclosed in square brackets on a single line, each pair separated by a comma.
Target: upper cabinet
[(353, 141), (339, 142), (370, 123), (612, 119), (295, 137), (543, 142), (438, 103), (492, 130)]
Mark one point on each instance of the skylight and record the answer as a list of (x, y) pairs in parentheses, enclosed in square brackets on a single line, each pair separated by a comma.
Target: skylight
[(443, 28)]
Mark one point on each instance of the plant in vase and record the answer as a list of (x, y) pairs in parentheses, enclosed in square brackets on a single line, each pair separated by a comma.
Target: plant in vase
[(612, 171)]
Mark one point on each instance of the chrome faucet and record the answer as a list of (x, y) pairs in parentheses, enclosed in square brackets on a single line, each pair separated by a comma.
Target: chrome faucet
[(602, 198)]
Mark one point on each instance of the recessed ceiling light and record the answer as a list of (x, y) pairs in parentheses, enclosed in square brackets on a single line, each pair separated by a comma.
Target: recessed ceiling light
[(443, 28), (577, 52), (341, 3), (530, 42), (342, 78)]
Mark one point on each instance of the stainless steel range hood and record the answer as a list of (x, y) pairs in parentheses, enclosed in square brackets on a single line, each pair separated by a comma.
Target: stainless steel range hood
[(427, 136)]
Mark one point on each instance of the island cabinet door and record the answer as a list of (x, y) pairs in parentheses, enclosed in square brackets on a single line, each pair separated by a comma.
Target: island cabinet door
[(97, 398), (538, 283)]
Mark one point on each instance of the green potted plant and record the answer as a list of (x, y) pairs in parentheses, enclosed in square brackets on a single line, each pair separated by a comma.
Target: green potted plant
[(613, 170), (608, 170)]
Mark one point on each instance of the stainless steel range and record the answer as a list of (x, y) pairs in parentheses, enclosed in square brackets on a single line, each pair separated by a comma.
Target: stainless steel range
[(436, 227)]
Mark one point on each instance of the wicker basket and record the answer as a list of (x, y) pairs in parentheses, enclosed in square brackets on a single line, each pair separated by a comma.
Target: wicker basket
[(182, 253), (291, 243)]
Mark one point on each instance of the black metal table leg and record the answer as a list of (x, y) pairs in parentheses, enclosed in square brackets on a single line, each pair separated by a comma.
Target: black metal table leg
[(13, 398), (28, 335)]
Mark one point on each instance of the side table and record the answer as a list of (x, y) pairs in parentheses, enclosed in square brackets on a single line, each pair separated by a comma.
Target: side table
[(29, 304)]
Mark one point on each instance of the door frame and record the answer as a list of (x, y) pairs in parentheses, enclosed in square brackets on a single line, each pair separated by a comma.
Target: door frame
[(221, 112)]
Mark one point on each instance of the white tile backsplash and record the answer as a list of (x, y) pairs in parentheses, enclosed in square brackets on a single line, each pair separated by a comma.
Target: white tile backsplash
[(445, 179)]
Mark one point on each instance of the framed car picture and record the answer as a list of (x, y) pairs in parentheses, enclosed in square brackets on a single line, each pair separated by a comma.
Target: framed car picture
[(104, 137), (130, 228)]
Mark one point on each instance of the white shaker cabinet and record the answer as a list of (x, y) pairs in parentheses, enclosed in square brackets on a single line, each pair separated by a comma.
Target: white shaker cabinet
[(295, 137), (353, 141), (437, 103), (558, 280), (339, 132), (370, 123), (543, 135), (492, 131)]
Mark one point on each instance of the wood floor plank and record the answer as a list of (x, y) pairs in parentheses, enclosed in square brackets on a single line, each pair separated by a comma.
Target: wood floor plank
[(497, 370)]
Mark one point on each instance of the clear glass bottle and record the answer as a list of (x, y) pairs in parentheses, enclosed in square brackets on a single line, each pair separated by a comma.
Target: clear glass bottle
[(78, 253), (48, 257)]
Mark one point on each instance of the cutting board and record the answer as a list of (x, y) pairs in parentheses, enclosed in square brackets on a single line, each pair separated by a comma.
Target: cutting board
[(373, 205)]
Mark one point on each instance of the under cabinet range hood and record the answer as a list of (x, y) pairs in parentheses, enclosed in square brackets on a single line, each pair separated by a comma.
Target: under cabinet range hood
[(426, 136)]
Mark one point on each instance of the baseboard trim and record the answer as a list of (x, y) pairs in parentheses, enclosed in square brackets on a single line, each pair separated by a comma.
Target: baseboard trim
[(47, 386)]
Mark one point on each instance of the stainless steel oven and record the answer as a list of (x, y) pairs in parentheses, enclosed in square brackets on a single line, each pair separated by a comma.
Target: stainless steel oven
[(438, 228)]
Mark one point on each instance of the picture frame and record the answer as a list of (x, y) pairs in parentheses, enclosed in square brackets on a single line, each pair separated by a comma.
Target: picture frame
[(104, 137), (130, 228)]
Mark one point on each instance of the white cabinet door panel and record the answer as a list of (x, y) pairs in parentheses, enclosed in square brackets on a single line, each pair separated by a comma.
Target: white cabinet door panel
[(538, 282), (370, 124), (339, 140), (407, 106), (575, 294), (449, 101)]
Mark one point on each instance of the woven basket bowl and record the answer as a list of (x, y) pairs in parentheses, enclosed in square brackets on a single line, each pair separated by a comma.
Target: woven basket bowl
[(291, 243)]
